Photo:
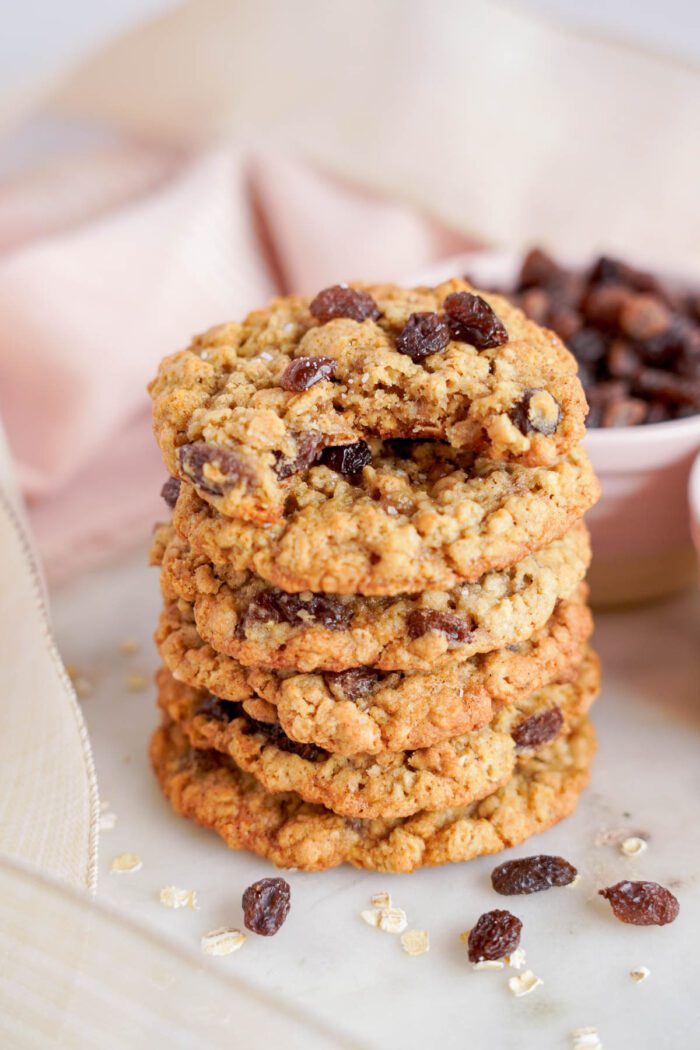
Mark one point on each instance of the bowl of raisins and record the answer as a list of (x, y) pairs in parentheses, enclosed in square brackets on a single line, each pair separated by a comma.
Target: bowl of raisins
[(636, 338)]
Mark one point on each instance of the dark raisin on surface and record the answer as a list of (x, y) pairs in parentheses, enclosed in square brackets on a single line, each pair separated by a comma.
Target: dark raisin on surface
[(347, 459), (266, 906), (309, 446), (226, 469), (303, 372), (497, 933), (642, 903), (170, 491), (422, 335), (538, 729), (456, 628), (532, 874), (536, 411), (341, 301), (472, 320), (221, 710), (353, 683), (274, 606)]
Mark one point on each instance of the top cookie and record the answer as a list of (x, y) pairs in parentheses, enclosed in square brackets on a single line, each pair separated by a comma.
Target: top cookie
[(250, 405)]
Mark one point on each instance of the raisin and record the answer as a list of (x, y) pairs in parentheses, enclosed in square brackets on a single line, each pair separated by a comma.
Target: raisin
[(303, 372), (277, 736), (644, 317), (266, 906), (603, 305), (532, 874), (170, 491), (341, 301), (622, 360), (221, 710), (309, 445), (354, 683), (642, 903), (588, 346), (627, 412), (225, 468), (538, 729), (274, 606), (539, 269), (497, 933), (457, 629), (473, 321), (536, 411), (347, 459), (655, 383), (422, 335)]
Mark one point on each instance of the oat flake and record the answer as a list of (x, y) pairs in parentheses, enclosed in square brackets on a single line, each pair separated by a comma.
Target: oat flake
[(586, 1039), (126, 863), (415, 942), (381, 900), (524, 983), (633, 846), (223, 941), (176, 897)]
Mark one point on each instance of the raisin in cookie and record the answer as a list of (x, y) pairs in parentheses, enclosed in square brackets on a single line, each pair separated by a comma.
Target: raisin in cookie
[(455, 772), (262, 626), (363, 709), (209, 789), (248, 406), (423, 517)]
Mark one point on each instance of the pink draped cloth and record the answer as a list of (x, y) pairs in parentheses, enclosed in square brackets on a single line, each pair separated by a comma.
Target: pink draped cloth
[(112, 260)]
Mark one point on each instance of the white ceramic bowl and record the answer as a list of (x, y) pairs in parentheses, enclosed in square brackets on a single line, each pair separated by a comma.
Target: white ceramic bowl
[(642, 547), (641, 527)]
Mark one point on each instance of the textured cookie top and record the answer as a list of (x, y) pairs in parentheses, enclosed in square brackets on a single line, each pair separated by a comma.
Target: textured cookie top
[(420, 516), (248, 406), (209, 789), (262, 626), (373, 711), (453, 773)]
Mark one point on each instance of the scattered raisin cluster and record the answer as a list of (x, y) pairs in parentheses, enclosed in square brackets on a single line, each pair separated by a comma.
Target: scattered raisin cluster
[(636, 340)]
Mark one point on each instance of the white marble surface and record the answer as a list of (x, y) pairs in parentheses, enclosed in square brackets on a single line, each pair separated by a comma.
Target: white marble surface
[(328, 963)]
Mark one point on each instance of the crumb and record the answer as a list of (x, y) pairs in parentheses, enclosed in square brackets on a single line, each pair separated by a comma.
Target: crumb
[(108, 819), (415, 942), (126, 863), (136, 681), (223, 941), (175, 897), (489, 964), (586, 1039), (81, 683), (640, 974), (524, 983), (128, 646), (633, 846)]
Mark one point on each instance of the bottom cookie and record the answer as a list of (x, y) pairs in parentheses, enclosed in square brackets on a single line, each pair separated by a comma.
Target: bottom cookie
[(208, 788)]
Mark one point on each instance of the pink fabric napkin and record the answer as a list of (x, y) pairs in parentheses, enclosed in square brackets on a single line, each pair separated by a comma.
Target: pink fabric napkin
[(114, 259)]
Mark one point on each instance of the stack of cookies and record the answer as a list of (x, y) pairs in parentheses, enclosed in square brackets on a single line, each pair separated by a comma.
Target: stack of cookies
[(375, 632)]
